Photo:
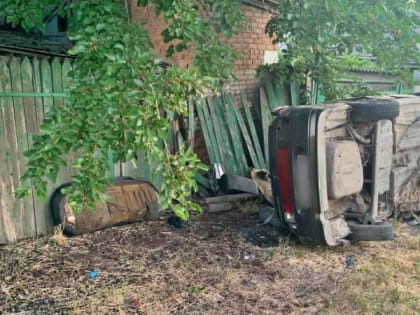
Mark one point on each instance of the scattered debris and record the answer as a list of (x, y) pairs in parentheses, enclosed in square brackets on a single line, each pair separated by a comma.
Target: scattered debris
[(263, 181), (268, 215), (131, 301), (177, 222), (92, 274), (350, 261), (262, 235)]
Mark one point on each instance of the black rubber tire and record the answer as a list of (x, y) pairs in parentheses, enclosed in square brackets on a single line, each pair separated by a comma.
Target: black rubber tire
[(58, 211), (370, 232), (368, 109)]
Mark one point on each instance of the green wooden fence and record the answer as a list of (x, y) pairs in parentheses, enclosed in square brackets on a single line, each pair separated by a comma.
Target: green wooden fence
[(28, 89)]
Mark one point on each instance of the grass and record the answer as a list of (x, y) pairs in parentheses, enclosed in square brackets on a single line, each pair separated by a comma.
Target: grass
[(387, 280), (152, 268)]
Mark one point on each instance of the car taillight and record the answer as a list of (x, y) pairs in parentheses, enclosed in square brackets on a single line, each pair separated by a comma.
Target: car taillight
[(285, 180)]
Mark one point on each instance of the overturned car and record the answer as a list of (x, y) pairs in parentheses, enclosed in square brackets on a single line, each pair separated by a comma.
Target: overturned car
[(339, 171)]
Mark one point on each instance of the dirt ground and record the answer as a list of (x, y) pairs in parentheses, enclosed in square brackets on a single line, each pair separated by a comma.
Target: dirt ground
[(210, 267)]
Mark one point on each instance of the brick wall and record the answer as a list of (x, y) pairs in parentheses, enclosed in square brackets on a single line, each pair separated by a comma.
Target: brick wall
[(251, 44)]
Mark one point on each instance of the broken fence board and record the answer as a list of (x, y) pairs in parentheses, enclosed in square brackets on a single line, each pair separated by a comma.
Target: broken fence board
[(245, 134), (266, 121), (282, 94), (207, 141), (226, 141), (234, 130), (271, 95), (216, 128), (295, 91), (191, 125), (255, 140), (214, 137)]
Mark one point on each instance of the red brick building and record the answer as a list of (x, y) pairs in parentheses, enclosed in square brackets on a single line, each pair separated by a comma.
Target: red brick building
[(252, 44)]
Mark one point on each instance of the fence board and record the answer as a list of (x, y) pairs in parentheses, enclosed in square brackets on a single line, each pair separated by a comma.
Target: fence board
[(39, 106), (68, 171), (43, 217), (47, 87), (245, 134), (266, 120), (13, 207), (57, 81), (7, 228), (32, 127), (253, 130), (235, 134), (208, 141), (27, 216), (46, 80)]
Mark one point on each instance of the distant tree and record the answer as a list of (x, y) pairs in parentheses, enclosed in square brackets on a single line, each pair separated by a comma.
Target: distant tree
[(315, 33), (121, 99)]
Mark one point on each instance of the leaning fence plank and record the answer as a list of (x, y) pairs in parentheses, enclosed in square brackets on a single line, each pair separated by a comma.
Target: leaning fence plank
[(219, 158), (191, 125), (245, 134), (294, 91), (271, 95), (27, 217), (235, 133), (211, 151), (214, 130), (282, 94), (265, 115), (226, 142), (253, 130)]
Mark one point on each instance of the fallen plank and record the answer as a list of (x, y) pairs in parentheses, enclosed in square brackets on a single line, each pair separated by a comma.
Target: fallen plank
[(220, 207), (229, 198), (232, 183)]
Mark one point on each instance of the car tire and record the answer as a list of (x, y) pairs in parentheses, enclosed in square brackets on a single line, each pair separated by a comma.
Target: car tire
[(368, 109), (57, 206), (370, 232)]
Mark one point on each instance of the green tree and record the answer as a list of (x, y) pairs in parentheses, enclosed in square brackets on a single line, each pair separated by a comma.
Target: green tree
[(318, 32), (121, 98)]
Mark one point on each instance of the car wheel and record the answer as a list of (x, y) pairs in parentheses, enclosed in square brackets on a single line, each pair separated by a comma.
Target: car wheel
[(370, 232), (58, 211), (367, 109)]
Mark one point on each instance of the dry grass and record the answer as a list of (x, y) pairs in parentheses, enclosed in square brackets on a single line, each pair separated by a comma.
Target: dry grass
[(151, 268)]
